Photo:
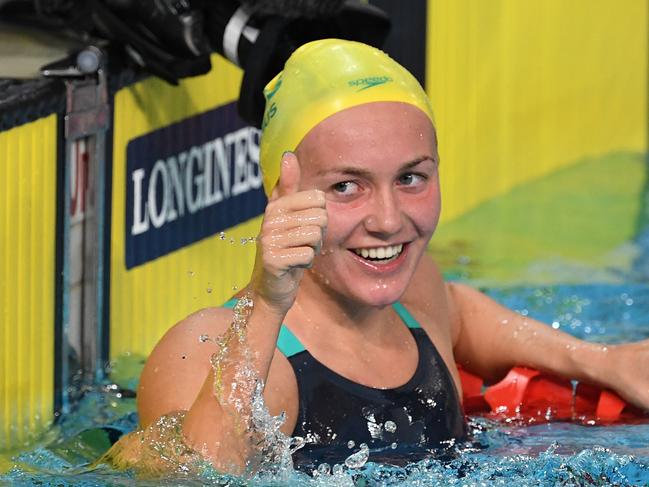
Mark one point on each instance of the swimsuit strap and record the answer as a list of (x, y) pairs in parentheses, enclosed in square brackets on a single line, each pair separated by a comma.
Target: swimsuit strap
[(290, 345), (405, 315)]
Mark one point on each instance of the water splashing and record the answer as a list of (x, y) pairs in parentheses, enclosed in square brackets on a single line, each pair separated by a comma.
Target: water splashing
[(160, 449), (358, 459)]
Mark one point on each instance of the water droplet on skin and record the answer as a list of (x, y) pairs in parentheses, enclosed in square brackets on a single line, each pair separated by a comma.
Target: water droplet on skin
[(203, 338)]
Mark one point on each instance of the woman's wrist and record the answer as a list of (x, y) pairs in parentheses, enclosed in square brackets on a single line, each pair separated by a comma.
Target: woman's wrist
[(262, 305), (594, 363)]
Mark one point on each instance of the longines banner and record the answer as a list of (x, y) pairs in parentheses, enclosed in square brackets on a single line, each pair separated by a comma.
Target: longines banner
[(190, 180)]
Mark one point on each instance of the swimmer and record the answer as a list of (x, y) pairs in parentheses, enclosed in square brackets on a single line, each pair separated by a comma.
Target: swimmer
[(353, 324)]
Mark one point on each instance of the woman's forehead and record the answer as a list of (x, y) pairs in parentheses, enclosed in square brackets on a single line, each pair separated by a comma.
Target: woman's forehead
[(396, 131)]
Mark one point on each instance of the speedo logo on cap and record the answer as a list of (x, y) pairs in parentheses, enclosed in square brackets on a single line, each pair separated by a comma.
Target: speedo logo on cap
[(369, 82)]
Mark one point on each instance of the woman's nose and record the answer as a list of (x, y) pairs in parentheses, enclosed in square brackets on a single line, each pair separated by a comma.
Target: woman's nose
[(385, 215)]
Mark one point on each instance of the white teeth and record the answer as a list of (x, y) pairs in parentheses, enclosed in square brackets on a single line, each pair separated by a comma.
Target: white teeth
[(380, 252)]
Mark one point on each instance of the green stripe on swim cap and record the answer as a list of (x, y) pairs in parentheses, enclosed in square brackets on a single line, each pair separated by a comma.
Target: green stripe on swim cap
[(322, 78)]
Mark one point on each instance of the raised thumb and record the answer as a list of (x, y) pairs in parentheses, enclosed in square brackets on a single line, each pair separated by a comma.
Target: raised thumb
[(289, 175)]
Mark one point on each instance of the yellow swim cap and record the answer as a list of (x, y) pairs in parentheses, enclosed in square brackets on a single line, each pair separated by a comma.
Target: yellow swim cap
[(322, 78)]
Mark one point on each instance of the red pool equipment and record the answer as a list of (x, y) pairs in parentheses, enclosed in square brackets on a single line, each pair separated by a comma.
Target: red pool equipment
[(533, 396)]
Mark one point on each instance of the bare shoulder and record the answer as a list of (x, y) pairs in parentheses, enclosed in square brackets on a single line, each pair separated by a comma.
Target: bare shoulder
[(445, 302), (179, 363), (429, 299)]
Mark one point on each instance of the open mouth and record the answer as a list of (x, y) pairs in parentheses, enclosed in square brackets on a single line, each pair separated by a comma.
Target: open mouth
[(380, 254)]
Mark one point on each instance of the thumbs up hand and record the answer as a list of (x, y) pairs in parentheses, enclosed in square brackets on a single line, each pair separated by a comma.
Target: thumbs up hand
[(291, 235)]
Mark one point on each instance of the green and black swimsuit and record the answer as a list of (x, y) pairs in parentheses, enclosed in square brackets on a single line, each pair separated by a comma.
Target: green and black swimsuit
[(424, 413)]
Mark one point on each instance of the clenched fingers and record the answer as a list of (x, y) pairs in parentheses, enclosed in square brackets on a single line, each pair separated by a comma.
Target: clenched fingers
[(285, 221), (279, 261), (306, 235), (302, 200)]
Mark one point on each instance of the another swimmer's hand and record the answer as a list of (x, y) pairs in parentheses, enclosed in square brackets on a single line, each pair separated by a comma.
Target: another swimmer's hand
[(291, 235)]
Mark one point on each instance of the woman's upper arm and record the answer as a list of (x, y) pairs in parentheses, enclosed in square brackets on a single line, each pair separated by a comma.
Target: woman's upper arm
[(178, 365), (177, 368)]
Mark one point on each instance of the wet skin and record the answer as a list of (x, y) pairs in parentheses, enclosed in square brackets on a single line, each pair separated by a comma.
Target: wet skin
[(365, 178), (377, 166)]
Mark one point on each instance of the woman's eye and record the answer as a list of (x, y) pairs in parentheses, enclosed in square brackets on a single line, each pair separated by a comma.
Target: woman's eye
[(410, 179), (345, 187)]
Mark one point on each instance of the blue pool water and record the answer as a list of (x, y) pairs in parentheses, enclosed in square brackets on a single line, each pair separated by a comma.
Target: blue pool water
[(503, 454)]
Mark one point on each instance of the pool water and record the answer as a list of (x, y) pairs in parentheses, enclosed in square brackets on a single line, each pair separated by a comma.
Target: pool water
[(509, 454)]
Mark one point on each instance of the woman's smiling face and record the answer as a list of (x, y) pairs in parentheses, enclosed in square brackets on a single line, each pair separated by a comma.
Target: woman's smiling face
[(377, 164)]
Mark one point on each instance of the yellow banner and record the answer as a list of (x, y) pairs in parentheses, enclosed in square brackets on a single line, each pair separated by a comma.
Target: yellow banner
[(521, 88), (27, 277)]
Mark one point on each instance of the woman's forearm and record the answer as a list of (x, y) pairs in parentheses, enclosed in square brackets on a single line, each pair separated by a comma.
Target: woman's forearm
[(218, 423), (493, 339)]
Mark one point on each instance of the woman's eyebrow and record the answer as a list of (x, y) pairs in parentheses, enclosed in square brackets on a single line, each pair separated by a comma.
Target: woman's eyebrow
[(360, 172), (346, 170), (417, 161)]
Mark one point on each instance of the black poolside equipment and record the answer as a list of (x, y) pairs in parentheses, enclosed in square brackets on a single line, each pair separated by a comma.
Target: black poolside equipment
[(173, 39), (259, 36)]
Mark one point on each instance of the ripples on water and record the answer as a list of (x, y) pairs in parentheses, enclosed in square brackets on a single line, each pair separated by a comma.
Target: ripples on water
[(503, 454)]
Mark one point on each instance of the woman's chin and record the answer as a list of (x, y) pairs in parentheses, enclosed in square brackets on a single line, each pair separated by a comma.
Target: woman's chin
[(379, 297), (360, 289)]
